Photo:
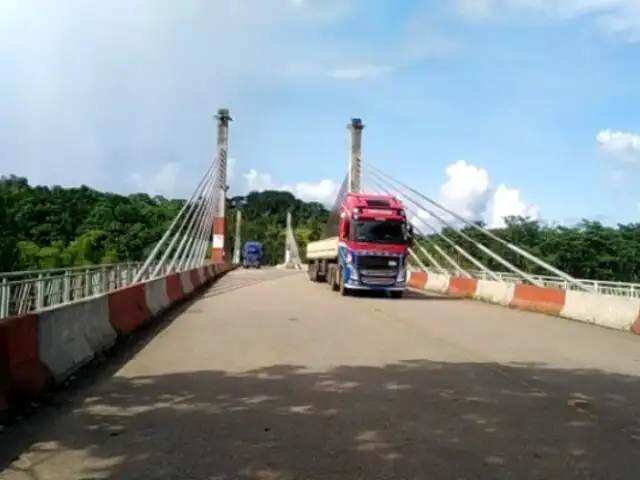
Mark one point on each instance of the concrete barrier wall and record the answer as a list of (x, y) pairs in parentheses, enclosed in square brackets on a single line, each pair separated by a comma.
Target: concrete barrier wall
[(620, 313), (41, 350)]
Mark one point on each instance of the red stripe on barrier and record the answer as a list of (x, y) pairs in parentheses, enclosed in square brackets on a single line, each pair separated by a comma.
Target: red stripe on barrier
[(128, 309), (463, 287), (635, 328), (194, 276), (418, 280), (537, 299), (174, 287), (24, 376)]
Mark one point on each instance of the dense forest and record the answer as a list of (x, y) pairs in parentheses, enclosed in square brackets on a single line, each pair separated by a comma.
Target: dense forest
[(48, 227)]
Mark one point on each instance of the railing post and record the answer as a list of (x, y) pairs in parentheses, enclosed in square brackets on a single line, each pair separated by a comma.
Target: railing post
[(88, 279), (104, 279), (66, 287), (5, 298), (40, 293)]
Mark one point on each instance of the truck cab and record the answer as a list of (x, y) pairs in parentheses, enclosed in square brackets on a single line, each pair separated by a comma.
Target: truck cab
[(252, 255), (373, 245)]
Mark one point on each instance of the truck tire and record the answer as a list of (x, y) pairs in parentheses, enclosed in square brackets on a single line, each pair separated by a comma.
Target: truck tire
[(313, 272), (334, 275)]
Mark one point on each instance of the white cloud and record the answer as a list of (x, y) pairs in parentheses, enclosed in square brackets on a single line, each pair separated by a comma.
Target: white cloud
[(474, 10), (324, 191), (93, 103), (620, 146), (468, 192), (619, 17), (166, 181), (508, 202)]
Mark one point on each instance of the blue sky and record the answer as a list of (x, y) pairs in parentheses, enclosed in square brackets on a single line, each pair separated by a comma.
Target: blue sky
[(120, 95)]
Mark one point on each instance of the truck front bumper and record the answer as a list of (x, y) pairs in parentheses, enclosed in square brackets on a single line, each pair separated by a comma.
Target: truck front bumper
[(393, 288), (354, 282)]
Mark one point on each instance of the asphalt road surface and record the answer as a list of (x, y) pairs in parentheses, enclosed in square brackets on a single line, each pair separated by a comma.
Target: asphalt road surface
[(270, 376)]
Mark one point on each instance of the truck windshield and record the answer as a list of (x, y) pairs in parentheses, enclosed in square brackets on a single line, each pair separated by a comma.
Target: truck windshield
[(389, 232), (252, 249)]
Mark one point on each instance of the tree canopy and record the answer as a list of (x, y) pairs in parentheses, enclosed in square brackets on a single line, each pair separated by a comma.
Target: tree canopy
[(51, 227)]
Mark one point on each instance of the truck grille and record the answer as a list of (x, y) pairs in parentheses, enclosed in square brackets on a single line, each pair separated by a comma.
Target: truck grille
[(387, 272), (375, 262), (378, 281)]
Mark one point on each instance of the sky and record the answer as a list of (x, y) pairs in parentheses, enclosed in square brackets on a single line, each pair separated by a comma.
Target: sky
[(493, 107)]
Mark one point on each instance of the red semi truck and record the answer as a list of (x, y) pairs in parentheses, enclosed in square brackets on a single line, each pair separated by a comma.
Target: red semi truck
[(370, 252)]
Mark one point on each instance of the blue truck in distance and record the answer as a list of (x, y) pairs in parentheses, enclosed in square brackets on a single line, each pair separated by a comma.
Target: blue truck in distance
[(252, 255)]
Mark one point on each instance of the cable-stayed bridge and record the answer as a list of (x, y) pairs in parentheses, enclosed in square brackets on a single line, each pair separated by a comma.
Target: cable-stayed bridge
[(482, 371)]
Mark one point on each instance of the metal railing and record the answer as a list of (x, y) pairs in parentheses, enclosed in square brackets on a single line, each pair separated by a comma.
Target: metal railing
[(28, 291), (620, 289)]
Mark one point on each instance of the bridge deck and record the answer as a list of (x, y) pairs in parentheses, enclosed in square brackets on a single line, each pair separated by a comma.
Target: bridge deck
[(269, 376)]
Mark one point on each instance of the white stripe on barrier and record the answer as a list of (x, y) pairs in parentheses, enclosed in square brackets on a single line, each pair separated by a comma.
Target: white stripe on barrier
[(605, 310), (185, 282), (437, 283), (70, 336), (156, 296), (495, 292)]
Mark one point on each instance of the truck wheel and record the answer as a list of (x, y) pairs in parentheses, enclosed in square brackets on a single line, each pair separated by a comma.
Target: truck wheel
[(313, 272), (331, 277), (336, 277)]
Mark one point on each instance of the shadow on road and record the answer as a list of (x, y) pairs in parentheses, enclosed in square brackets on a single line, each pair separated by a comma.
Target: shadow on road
[(416, 419), (414, 295), (408, 295)]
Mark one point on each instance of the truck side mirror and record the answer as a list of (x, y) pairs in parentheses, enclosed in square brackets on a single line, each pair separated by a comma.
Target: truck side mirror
[(344, 229), (410, 235)]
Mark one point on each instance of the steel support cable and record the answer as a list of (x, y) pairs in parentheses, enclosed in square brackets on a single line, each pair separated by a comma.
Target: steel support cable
[(202, 186), (457, 247), (183, 251), (214, 198), (196, 259), (171, 248), (206, 220), (180, 253), (207, 228), (448, 240), (422, 248), (331, 228), (167, 233), (491, 235), (186, 262), (194, 244), (418, 261), (464, 235), (486, 250)]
